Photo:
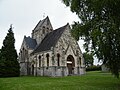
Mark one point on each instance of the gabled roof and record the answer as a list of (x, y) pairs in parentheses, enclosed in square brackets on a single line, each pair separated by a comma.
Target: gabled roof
[(30, 42), (50, 40), (42, 22)]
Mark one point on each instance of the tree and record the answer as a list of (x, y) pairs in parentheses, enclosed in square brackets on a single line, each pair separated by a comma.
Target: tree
[(0, 54), (88, 59), (9, 65), (100, 27), (0, 57)]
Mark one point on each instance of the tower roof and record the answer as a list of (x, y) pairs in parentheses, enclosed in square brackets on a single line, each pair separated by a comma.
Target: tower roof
[(44, 22)]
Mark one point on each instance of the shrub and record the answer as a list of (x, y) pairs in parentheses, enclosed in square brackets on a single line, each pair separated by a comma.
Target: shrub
[(93, 68)]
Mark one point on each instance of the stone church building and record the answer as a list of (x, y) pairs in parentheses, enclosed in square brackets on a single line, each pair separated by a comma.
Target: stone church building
[(50, 52)]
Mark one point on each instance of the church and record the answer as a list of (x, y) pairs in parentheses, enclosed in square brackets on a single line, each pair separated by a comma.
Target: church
[(49, 52)]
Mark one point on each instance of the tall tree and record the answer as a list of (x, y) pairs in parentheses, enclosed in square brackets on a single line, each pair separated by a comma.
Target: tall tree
[(0, 60), (0, 54), (9, 65), (100, 27), (88, 59)]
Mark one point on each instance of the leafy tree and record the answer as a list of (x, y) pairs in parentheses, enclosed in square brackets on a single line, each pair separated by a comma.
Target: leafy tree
[(9, 65), (0, 54), (100, 27), (0, 60), (88, 59)]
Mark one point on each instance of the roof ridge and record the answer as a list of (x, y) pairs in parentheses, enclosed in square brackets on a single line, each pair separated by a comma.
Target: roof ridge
[(62, 27), (37, 25)]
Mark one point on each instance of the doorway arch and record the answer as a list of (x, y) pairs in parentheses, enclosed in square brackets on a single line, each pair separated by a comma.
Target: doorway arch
[(70, 64)]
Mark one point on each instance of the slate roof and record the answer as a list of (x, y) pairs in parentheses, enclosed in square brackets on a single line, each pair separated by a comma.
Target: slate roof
[(50, 40), (30, 42)]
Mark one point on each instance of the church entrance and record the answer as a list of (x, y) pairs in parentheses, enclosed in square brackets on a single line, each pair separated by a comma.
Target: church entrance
[(70, 64)]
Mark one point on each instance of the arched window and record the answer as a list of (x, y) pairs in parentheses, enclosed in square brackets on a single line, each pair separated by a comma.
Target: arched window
[(80, 60), (43, 30), (23, 54), (47, 30), (47, 56), (39, 61), (58, 59), (50, 29)]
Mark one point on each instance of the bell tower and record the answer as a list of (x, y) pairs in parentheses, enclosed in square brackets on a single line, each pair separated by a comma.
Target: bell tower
[(42, 29)]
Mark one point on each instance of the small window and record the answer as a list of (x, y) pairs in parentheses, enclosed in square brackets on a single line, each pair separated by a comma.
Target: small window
[(58, 59), (23, 48), (80, 60), (39, 61), (43, 31), (47, 56), (50, 29), (47, 29)]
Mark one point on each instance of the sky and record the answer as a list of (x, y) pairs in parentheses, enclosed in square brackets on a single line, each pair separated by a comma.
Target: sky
[(25, 14)]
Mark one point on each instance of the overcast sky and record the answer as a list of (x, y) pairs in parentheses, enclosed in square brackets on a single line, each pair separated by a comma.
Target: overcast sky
[(25, 14)]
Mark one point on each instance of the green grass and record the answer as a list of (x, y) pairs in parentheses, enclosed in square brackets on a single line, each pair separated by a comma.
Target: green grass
[(91, 81)]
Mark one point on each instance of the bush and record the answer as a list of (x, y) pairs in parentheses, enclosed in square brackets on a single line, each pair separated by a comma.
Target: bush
[(93, 68)]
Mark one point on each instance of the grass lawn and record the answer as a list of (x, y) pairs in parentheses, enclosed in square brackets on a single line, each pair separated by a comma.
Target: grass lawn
[(91, 81)]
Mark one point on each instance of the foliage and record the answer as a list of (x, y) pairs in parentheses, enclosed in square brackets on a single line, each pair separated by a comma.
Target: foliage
[(0, 54), (90, 81), (9, 65), (88, 57), (93, 68), (100, 28)]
